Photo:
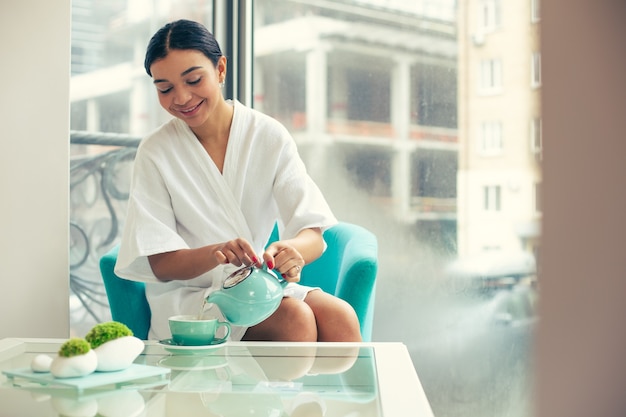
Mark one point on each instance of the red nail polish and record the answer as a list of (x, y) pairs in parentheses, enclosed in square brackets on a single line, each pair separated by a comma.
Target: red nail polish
[(255, 259), (270, 265)]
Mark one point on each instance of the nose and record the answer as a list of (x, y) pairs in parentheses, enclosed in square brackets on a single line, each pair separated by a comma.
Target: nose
[(181, 96)]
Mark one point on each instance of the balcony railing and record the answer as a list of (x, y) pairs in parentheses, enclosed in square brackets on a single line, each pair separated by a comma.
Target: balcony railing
[(99, 182)]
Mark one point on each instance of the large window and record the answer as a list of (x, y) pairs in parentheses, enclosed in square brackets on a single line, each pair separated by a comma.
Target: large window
[(394, 124)]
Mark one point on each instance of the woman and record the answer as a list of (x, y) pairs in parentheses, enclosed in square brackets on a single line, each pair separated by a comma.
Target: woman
[(208, 187)]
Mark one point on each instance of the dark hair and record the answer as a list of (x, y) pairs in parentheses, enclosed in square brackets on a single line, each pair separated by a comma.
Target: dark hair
[(181, 34)]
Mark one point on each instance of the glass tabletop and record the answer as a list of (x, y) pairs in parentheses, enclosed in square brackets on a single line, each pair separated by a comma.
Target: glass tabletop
[(236, 379)]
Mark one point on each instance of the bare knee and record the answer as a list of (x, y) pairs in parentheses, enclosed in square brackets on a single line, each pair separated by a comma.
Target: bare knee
[(294, 321), (336, 319)]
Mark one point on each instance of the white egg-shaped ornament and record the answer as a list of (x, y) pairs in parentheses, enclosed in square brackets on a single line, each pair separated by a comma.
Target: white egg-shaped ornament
[(115, 346), (118, 354), (75, 359), (41, 363)]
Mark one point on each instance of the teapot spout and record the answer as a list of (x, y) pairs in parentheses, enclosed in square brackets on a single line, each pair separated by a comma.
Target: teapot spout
[(215, 298)]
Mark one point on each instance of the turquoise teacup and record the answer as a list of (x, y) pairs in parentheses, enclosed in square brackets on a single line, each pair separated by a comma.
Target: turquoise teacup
[(189, 330)]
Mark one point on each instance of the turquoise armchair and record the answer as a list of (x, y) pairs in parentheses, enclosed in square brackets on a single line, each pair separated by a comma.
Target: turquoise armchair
[(347, 269)]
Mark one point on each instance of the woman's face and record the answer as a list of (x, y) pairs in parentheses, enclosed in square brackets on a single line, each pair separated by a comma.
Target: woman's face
[(187, 84)]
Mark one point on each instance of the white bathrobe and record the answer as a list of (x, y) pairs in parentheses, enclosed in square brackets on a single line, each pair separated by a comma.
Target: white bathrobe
[(179, 200)]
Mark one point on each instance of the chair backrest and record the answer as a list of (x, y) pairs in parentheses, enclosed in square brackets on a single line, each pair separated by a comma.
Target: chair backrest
[(127, 299), (347, 269)]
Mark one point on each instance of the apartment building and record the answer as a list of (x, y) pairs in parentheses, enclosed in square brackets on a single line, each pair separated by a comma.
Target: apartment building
[(499, 177)]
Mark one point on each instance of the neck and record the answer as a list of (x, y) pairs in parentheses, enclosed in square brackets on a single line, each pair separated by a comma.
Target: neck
[(217, 128)]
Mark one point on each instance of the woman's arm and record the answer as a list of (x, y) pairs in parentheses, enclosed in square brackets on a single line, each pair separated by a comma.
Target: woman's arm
[(186, 264)]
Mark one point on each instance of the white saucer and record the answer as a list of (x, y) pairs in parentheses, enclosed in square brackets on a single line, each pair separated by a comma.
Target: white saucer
[(171, 346)]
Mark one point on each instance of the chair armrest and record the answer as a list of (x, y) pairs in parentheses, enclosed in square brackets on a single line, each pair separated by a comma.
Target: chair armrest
[(357, 275)]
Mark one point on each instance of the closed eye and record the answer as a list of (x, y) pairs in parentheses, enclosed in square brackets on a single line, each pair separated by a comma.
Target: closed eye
[(194, 82)]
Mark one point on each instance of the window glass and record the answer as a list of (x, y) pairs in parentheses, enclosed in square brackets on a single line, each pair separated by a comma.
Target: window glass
[(492, 197), (490, 137), (490, 76), (394, 106), (536, 70), (489, 12), (536, 144), (387, 148), (535, 10), (113, 103)]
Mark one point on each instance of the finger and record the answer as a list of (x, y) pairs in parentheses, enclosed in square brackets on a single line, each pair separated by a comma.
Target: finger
[(245, 252), (239, 252), (269, 260), (292, 274), (294, 271), (221, 258), (283, 258), (233, 258)]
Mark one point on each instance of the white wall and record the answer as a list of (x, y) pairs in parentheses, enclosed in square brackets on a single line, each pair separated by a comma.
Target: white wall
[(581, 354), (34, 214)]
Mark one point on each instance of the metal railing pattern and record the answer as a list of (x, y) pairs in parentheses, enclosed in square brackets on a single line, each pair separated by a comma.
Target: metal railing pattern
[(99, 178)]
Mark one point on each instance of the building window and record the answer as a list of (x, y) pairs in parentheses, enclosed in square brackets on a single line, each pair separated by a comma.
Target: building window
[(492, 198), (536, 139), (535, 70), (535, 11), (490, 76), (537, 197), (489, 15), (490, 137)]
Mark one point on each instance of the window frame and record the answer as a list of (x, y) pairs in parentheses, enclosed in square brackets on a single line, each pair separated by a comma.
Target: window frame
[(490, 76), (492, 198), (535, 11), (489, 16), (536, 137), (535, 70), (491, 138)]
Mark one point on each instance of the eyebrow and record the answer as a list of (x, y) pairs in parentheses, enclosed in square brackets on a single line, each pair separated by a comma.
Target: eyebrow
[(182, 74)]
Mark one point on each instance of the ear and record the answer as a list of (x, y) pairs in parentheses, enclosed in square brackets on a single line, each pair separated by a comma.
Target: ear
[(221, 68)]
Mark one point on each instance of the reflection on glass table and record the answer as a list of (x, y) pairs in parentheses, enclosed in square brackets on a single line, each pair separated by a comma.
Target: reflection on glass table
[(236, 379), (283, 381)]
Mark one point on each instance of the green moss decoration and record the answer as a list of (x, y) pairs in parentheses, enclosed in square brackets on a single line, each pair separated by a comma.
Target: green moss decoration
[(104, 332), (74, 347)]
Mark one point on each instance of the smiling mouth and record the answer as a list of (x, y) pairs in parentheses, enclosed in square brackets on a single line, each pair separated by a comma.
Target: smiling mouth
[(190, 110)]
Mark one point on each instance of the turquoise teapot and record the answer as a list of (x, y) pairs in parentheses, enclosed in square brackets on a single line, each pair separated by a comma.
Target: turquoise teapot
[(249, 295)]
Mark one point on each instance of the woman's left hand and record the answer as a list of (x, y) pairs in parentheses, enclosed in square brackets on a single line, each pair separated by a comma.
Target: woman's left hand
[(285, 259)]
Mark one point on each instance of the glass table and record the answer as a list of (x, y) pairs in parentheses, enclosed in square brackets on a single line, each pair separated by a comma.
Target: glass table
[(234, 379)]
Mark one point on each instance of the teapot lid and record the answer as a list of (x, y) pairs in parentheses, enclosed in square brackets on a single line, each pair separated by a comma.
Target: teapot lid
[(238, 276)]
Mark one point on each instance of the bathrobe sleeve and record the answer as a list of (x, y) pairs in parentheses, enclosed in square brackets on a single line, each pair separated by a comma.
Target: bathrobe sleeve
[(300, 202), (151, 224)]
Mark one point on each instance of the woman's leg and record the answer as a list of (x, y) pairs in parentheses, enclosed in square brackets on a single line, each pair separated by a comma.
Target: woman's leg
[(294, 321), (336, 319)]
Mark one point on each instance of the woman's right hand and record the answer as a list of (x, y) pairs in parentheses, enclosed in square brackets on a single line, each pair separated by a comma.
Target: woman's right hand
[(237, 252), (186, 264)]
